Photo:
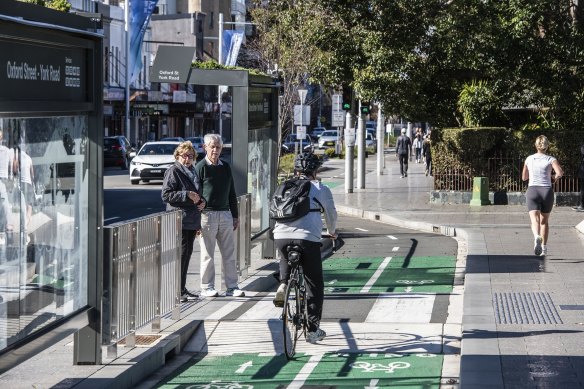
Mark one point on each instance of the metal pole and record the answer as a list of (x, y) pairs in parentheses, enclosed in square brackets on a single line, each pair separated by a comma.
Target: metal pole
[(220, 58), (380, 151), (127, 28), (360, 151), (349, 150)]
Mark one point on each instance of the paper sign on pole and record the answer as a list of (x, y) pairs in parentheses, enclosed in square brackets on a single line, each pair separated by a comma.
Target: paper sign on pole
[(301, 132), (305, 115)]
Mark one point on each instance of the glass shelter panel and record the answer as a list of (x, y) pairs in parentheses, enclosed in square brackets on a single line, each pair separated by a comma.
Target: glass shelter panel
[(259, 176), (43, 222)]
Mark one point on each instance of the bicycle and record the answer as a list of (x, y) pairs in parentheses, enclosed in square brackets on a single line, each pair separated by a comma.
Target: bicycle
[(295, 309), (295, 312)]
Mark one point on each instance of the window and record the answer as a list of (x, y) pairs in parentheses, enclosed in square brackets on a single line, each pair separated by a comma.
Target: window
[(43, 271), (211, 19)]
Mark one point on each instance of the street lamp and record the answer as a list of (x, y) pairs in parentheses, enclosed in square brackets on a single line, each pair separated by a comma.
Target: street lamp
[(302, 94)]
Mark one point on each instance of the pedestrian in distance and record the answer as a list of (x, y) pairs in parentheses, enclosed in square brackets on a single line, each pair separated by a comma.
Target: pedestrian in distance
[(580, 207), (219, 219), (306, 232), (181, 190), (427, 153), (418, 146), (538, 169), (403, 149)]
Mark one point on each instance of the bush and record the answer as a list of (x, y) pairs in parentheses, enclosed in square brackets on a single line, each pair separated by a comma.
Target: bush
[(479, 104), (286, 165)]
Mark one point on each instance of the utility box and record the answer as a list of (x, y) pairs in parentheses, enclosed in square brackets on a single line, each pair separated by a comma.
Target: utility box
[(480, 191)]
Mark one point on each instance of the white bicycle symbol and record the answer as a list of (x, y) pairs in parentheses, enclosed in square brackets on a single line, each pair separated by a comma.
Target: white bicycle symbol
[(412, 282), (221, 385), (371, 367)]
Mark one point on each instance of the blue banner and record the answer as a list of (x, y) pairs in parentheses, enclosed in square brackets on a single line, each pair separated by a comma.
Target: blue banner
[(232, 40), (140, 12)]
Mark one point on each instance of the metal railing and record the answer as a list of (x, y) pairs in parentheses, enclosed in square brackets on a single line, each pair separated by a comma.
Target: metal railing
[(504, 174), (141, 272), (141, 276)]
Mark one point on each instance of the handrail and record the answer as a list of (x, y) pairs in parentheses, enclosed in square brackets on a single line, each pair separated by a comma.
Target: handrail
[(141, 276)]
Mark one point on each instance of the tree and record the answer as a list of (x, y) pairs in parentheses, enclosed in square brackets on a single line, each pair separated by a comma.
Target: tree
[(416, 56)]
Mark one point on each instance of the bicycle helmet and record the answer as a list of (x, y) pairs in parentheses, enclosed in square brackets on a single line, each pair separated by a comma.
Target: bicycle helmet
[(307, 163)]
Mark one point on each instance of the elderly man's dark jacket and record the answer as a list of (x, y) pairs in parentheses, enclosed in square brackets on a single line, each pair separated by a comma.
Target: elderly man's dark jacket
[(175, 188)]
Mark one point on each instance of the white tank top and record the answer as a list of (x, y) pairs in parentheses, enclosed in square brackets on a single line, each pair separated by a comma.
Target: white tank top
[(540, 169)]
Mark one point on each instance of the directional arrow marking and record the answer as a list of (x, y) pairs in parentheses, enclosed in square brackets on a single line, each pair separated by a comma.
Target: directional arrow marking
[(244, 366)]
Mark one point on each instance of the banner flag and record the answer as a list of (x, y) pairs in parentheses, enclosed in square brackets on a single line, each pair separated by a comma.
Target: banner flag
[(232, 40), (140, 12)]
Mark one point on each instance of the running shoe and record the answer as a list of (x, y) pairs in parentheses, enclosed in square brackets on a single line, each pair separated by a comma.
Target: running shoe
[(313, 337), (537, 245), (544, 251)]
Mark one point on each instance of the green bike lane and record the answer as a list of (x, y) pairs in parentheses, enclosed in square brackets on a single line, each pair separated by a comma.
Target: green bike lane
[(392, 272)]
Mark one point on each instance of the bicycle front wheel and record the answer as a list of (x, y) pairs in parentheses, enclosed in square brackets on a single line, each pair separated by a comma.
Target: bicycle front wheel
[(292, 323)]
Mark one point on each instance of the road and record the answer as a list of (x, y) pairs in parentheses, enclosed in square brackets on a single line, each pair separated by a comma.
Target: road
[(390, 302), (123, 201)]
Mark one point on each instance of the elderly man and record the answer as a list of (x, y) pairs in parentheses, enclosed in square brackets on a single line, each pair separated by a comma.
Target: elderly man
[(219, 219)]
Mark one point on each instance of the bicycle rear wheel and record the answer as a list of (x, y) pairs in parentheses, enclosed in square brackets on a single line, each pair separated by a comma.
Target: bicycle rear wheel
[(292, 324)]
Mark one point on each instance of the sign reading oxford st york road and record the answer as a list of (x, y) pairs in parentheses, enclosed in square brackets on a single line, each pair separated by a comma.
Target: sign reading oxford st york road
[(172, 64), (31, 71)]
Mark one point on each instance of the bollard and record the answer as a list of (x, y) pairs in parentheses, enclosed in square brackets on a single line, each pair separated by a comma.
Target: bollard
[(480, 191)]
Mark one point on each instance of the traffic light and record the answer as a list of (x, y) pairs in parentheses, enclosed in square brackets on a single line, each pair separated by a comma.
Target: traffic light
[(365, 107), (347, 98)]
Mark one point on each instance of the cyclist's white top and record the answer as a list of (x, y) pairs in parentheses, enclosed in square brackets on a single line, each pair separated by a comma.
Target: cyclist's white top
[(540, 169), (309, 227), (6, 159)]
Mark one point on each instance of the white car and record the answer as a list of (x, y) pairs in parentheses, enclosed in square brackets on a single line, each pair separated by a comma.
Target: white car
[(152, 161), (328, 139)]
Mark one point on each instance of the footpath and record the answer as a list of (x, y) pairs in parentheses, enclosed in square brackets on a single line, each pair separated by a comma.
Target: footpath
[(522, 320)]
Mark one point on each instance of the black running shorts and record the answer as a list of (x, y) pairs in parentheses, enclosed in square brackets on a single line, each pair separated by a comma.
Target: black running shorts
[(540, 198)]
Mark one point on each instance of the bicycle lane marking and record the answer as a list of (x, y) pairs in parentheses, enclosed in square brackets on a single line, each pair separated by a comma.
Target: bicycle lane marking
[(389, 370), (305, 372), (348, 275), (376, 275)]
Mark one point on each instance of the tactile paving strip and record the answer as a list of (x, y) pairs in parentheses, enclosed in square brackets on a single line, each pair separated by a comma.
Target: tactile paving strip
[(525, 308)]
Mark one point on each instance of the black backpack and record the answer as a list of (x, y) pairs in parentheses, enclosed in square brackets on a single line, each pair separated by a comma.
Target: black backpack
[(291, 200)]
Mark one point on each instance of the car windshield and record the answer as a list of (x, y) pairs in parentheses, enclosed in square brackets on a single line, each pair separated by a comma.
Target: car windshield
[(329, 133), (110, 141), (160, 149), (196, 139)]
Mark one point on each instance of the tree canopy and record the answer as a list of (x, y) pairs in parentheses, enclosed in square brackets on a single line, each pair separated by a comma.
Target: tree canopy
[(422, 58)]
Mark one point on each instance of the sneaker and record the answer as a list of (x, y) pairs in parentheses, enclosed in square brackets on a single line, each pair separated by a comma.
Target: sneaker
[(543, 251), (405, 175), (279, 298), (209, 292), (235, 292), (537, 245), (578, 209), (187, 296), (313, 337), (426, 172), (402, 176)]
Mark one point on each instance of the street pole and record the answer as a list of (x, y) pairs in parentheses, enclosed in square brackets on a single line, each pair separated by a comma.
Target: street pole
[(380, 151), (220, 58), (360, 151), (302, 94), (127, 28), (349, 150)]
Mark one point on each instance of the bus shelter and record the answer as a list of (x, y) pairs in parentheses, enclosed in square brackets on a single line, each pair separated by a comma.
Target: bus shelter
[(50, 178)]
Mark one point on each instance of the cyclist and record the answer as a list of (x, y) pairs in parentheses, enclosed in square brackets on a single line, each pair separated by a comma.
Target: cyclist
[(306, 232)]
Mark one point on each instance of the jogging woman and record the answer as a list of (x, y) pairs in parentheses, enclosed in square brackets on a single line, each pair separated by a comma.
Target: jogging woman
[(540, 194)]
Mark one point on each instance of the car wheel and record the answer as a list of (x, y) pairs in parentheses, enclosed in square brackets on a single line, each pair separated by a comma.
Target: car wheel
[(125, 164), (135, 182)]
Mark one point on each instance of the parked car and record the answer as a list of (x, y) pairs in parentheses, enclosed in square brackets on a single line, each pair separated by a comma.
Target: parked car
[(172, 139), (198, 143), (152, 161), (317, 131), (328, 139), (289, 146), (116, 151)]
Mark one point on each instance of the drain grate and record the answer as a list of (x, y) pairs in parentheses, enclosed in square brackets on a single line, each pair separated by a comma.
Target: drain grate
[(525, 308), (142, 340)]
